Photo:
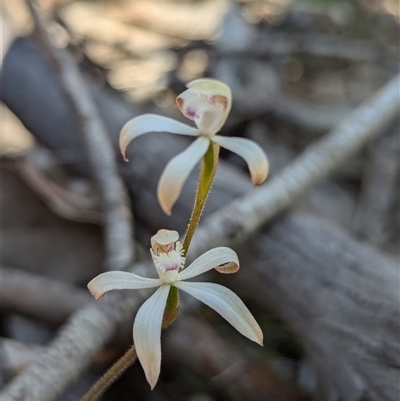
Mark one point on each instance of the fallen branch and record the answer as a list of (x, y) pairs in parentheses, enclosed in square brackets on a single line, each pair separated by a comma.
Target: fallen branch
[(40, 297), (118, 218), (379, 186), (339, 296)]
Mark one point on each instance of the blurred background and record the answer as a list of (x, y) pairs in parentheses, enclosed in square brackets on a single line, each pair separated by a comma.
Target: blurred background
[(296, 69)]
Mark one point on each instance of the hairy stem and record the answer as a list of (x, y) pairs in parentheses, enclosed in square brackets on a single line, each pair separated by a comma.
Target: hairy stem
[(111, 375), (206, 178)]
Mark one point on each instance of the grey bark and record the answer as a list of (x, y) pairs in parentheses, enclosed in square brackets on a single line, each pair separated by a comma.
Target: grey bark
[(339, 296), (380, 187)]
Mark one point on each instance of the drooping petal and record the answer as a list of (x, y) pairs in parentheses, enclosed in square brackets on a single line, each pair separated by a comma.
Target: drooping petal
[(119, 280), (227, 304), (251, 152), (147, 333), (151, 123), (215, 258), (177, 171)]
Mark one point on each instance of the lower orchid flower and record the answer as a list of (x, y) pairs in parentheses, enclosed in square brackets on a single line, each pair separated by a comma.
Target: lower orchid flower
[(207, 102), (166, 252)]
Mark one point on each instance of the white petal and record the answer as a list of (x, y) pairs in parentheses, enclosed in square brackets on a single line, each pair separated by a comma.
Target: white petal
[(227, 304), (212, 259), (177, 171), (118, 280), (251, 152), (147, 333), (151, 123)]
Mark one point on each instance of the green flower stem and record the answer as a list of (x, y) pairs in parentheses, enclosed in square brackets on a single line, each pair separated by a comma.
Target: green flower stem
[(172, 307), (206, 178), (111, 375)]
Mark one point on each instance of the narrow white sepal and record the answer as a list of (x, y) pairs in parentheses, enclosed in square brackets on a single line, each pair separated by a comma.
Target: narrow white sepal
[(251, 152), (151, 123), (227, 304), (147, 333), (177, 171), (119, 280), (209, 260)]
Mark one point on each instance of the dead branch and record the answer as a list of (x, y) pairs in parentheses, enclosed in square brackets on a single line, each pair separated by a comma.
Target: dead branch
[(313, 44), (118, 218), (16, 355), (40, 297), (380, 182), (72, 349), (339, 296)]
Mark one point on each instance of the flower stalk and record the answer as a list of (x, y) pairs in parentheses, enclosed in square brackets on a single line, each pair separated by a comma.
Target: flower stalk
[(207, 173), (111, 375)]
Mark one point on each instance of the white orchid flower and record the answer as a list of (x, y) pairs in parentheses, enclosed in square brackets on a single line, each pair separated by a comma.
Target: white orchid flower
[(166, 252), (207, 102)]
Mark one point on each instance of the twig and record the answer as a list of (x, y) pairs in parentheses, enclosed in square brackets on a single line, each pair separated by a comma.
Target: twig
[(378, 191), (41, 297), (16, 355), (313, 44), (118, 218), (72, 350), (91, 327)]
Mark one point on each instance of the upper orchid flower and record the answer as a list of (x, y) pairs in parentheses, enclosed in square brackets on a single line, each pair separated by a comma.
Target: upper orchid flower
[(207, 102), (166, 252)]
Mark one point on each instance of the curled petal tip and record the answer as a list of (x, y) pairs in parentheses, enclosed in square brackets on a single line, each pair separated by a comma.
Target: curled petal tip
[(227, 268), (97, 293), (125, 156), (260, 173)]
